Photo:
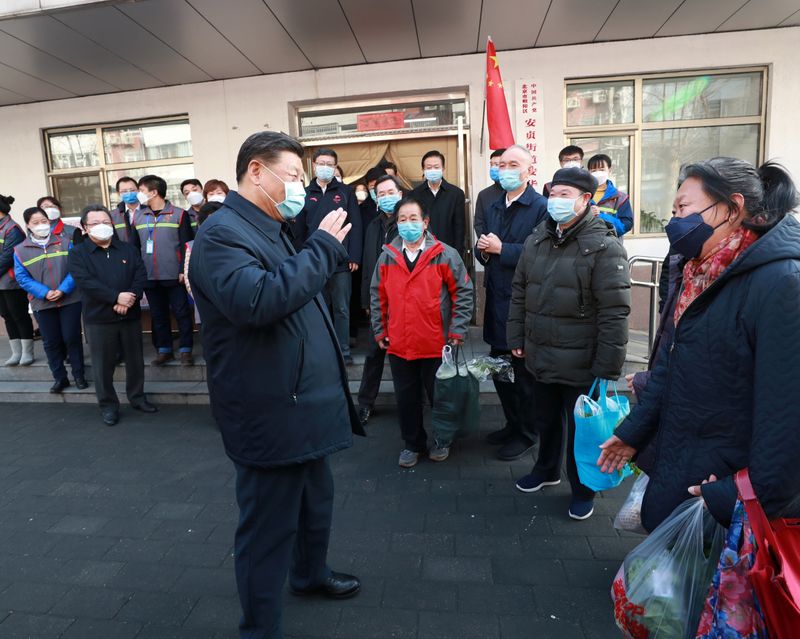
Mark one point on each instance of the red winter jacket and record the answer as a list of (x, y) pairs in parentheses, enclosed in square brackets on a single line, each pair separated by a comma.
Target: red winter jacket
[(419, 310)]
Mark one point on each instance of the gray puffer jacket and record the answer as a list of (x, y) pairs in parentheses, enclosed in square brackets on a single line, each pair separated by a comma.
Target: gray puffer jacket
[(570, 302)]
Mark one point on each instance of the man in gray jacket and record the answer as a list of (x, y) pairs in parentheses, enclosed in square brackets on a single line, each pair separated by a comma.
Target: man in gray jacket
[(570, 301)]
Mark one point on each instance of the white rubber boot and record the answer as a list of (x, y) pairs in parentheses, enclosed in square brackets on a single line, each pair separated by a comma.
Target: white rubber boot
[(27, 353), (16, 352)]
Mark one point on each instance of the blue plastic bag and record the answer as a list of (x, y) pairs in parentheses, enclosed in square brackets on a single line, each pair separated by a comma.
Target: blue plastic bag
[(595, 421)]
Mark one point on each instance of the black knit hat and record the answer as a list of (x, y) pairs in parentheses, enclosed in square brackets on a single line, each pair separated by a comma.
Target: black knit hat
[(577, 177), (5, 203)]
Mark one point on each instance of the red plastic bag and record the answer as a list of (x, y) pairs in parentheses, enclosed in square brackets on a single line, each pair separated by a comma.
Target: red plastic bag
[(776, 571)]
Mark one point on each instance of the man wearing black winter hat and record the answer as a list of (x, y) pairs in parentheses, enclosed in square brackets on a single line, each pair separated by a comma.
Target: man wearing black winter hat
[(568, 319)]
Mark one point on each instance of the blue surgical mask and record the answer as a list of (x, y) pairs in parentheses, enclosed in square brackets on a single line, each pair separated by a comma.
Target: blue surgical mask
[(386, 203), (433, 175), (130, 197), (372, 195), (510, 179), (688, 234), (323, 172), (561, 209), (295, 198), (494, 173), (410, 231)]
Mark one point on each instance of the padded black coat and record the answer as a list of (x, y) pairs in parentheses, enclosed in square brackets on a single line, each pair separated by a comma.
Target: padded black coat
[(723, 399), (570, 301)]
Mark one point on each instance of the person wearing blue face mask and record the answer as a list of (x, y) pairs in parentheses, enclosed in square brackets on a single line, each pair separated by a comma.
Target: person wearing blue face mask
[(122, 216), (568, 321), (324, 194), (445, 202), (276, 377), (381, 231), (420, 299), (508, 222), (489, 195)]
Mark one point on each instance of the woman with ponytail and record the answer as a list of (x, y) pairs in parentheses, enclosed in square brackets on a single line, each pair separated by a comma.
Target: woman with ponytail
[(722, 400), (13, 300)]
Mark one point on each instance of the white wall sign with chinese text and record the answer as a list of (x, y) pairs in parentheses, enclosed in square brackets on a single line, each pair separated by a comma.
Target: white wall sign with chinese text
[(530, 125)]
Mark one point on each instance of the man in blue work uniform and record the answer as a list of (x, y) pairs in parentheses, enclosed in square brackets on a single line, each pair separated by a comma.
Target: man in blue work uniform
[(276, 377), (325, 194)]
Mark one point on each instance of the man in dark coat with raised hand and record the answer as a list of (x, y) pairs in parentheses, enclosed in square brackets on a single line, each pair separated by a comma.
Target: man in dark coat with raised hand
[(276, 376)]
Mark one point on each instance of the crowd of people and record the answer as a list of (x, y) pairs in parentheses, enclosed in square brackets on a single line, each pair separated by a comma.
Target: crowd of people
[(281, 277)]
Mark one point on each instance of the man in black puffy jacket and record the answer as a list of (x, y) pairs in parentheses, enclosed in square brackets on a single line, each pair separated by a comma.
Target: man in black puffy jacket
[(570, 301)]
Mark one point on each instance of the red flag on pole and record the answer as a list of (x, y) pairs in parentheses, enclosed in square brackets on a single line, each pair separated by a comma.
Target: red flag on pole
[(500, 135)]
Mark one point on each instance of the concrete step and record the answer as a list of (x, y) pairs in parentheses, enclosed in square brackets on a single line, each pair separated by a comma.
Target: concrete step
[(182, 393)]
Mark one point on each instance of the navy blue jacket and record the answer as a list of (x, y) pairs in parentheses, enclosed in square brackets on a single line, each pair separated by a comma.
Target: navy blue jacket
[(318, 205), (276, 376), (512, 225), (722, 399)]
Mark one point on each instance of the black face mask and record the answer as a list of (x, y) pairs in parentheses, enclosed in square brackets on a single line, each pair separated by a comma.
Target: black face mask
[(688, 234)]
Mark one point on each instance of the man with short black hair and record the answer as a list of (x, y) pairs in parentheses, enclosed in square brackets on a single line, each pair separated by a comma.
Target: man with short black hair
[(122, 215), (608, 202), (445, 202), (277, 381), (571, 156), (381, 231), (325, 194), (490, 194), (111, 277), (192, 190), (161, 233), (388, 168)]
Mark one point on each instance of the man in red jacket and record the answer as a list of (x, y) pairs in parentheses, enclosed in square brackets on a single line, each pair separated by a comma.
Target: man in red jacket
[(420, 299)]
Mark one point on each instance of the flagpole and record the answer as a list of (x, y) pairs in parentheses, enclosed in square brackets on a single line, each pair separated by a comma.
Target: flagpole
[(483, 112)]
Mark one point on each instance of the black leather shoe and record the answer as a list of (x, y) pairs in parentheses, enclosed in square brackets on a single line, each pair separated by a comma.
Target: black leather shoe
[(59, 386), (500, 437), (81, 383), (364, 413), (110, 417), (337, 586), (514, 449), (145, 407)]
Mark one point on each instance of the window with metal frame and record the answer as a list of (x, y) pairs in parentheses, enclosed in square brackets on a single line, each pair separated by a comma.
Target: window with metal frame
[(651, 125), (85, 162)]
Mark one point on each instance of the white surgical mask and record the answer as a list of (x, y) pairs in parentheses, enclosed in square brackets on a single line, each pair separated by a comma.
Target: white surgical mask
[(361, 195), (216, 198), (41, 230), (571, 164), (101, 232), (601, 177), (52, 213), (143, 198), (194, 198)]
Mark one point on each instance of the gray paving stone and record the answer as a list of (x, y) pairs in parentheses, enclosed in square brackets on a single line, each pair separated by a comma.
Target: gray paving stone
[(206, 555), (101, 629), (496, 598), (159, 608), (138, 550), (79, 546), (146, 577), (205, 581), (484, 545), (175, 510), (397, 624), (419, 595), (31, 597), (457, 569), (528, 570), (526, 626), (449, 625), (88, 572), (423, 543), (92, 603), (25, 626), (215, 612), (78, 525)]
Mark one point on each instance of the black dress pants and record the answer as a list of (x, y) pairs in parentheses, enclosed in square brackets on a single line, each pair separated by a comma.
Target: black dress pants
[(284, 525), (555, 405), (413, 379), (373, 372), (14, 311), (163, 296), (61, 334), (106, 343), (516, 398)]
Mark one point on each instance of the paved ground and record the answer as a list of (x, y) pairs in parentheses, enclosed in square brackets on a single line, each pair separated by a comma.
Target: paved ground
[(127, 532)]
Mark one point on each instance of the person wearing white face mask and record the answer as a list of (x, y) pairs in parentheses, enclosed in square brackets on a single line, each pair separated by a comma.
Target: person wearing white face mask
[(568, 320), (276, 377), (444, 201), (608, 202), (40, 267), (215, 191), (110, 276), (324, 194), (53, 210), (570, 157), (192, 190)]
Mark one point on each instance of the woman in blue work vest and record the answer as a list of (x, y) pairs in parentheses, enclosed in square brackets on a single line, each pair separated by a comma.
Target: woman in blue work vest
[(40, 267)]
